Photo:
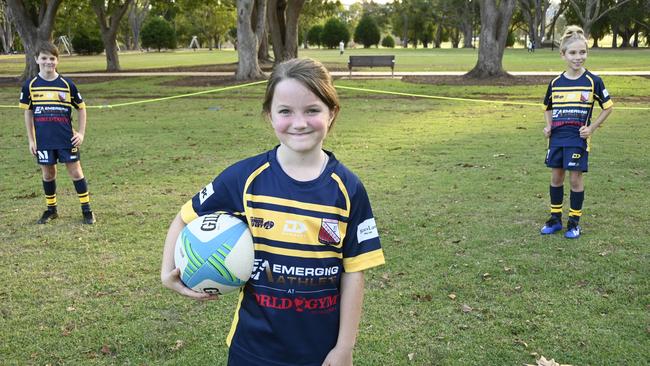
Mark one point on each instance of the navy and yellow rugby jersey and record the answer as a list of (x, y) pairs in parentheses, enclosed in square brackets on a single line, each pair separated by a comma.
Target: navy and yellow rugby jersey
[(52, 103), (306, 235), (572, 102)]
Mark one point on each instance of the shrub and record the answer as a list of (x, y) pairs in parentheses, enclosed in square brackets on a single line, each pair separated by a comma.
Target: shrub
[(334, 32), (314, 35), (158, 33), (85, 43), (388, 42), (367, 32)]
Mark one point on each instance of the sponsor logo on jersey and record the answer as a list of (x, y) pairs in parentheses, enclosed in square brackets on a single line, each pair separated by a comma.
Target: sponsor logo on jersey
[(205, 193), (299, 304), (605, 93), (259, 222), (329, 232), (575, 156), (281, 275), (38, 110), (294, 228), (367, 230)]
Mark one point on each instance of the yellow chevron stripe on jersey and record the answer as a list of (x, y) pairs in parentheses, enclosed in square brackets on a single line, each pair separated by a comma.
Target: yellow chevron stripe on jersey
[(297, 204), (296, 252), (249, 180), (52, 88), (364, 261), (293, 228), (344, 191), (235, 319)]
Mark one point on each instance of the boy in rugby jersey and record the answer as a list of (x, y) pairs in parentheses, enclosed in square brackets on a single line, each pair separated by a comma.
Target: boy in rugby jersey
[(313, 229), (569, 105), (48, 100)]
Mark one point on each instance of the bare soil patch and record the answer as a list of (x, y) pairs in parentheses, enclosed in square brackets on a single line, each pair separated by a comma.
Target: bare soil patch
[(463, 80)]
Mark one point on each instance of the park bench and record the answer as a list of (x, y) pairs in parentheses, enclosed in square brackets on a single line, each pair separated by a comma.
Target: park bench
[(372, 61)]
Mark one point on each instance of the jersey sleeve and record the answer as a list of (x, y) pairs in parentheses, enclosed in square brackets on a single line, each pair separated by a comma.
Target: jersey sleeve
[(361, 246), (602, 95), (548, 98), (25, 101), (75, 97), (224, 193)]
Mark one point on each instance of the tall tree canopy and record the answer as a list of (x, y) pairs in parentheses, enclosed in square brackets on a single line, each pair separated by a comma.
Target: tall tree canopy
[(34, 22)]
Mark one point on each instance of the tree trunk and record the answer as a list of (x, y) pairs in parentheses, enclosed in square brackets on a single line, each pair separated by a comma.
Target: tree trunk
[(247, 43), (263, 55), (137, 15), (283, 26), (466, 26), (34, 26), (495, 20), (108, 25), (6, 30)]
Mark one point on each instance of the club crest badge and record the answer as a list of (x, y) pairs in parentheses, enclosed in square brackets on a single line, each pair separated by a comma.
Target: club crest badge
[(62, 96), (585, 96), (329, 232)]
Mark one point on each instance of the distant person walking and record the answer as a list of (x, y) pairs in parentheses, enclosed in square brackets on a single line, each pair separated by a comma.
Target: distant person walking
[(341, 47)]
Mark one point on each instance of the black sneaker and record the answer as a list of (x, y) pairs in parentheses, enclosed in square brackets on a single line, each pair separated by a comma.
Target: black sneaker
[(47, 216), (89, 217)]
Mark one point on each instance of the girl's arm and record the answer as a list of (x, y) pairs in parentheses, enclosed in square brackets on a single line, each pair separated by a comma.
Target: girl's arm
[(169, 274), (586, 131), (29, 125), (352, 284)]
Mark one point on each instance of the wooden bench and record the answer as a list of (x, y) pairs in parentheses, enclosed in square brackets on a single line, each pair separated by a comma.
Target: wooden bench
[(373, 61)]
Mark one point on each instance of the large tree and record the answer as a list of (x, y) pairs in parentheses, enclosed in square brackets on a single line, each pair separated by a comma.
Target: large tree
[(249, 30), (283, 26), (495, 22), (589, 11), (6, 27), (109, 14), (34, 22), (137, 14)]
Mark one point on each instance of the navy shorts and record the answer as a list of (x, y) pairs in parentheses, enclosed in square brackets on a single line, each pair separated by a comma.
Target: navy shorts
[(567, 158), (50, 157)]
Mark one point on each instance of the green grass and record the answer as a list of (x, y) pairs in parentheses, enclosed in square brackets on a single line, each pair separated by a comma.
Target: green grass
[(421, 59), (459, 191)]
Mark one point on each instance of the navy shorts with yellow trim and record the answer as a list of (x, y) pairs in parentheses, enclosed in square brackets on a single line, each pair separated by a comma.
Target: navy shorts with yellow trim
[(568, 158), (50, 157)]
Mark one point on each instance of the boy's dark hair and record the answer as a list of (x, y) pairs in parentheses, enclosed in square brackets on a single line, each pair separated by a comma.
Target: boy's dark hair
[(313, 75), (47, 47)]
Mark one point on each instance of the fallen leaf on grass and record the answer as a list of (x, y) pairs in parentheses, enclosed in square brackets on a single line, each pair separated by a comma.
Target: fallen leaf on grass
[(519, 341), (466, 308), (452, 296), (106, 350), (542, 361), (485, 276), (179, 344), (411, 356)]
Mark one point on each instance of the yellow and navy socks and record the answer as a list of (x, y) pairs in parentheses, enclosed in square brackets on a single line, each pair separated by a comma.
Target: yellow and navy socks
[(50, 194), (575, 211), (557, 195), (82, 192)]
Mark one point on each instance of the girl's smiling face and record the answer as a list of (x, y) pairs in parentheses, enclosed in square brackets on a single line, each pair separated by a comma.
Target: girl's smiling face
[(299, 118)]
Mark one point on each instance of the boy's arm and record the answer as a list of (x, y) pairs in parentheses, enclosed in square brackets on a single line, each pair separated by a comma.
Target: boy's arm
[(78, 136), (352, 285), (586, 131), (548, 116), (29, 125)]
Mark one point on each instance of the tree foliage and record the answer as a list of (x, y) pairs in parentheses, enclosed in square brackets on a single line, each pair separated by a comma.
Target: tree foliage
[(388, 42), (314, 35), (158, 33), (334, 32), (367, 32), (87, 42)]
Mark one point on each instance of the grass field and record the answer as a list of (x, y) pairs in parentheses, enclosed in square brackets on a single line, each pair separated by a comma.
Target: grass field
[(445, 59), (459, 191)]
